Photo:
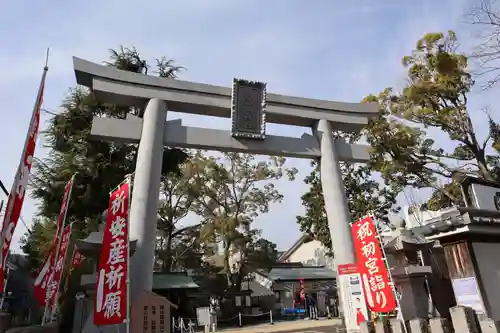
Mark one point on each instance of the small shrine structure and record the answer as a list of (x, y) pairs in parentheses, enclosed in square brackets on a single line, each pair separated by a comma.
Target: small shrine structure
[(408, 272), (470, 239)]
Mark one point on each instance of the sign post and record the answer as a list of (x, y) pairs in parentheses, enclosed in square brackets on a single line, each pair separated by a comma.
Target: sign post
[(353, 296)]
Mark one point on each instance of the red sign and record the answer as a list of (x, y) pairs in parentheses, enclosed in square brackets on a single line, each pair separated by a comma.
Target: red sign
[(344, 269), (111, 297), (42, 280), (302, 290), (64, 206), (76, 260), (55, 280), (372, 267), (17, 194), (45, 274)]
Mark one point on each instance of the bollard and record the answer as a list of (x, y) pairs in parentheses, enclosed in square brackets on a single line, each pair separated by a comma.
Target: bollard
[(367, 327), (382, 326), (397, 325), (488, 325), (419, 325), (463, 319), (240, 319), (271, 317), (440, 325)]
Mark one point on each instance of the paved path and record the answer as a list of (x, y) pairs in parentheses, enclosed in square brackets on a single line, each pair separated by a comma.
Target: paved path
[(299, 326)]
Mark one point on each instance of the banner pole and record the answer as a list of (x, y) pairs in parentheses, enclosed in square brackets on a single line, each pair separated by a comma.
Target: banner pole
[(10, 200), (129, 181)]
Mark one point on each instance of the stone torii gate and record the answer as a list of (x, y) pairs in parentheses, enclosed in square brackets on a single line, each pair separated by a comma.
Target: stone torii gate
[(250, 107)]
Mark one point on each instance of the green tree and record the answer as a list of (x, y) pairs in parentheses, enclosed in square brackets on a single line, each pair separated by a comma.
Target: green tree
[(230, 193), (485, 18), (435, 97), (99, 166), (175, 204), (262, 255), (37, 246), (364, 195)]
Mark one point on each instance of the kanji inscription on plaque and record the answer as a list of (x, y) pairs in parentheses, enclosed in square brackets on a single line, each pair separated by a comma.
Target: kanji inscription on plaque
[(151, 314), (248, 109)]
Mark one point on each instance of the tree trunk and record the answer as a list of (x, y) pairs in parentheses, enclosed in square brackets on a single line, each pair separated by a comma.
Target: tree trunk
[(167, 263), (227, 269)]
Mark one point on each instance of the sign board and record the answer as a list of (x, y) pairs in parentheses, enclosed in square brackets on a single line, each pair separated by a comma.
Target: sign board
[(481, 194), (467, 293), (151, 314), (353, 297), (263, 281), (248, 109), (203, 316)]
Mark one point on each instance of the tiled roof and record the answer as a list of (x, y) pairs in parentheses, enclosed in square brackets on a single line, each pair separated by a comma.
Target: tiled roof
[(162, 281), (296, 273), (257, 289)]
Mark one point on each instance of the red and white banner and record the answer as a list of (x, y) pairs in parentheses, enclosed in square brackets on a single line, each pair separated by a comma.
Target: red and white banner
[(42, 280), (52, 289), (64, 207), (372, 266), (20, 184), (76, 260), (111, 302), (44, 276)]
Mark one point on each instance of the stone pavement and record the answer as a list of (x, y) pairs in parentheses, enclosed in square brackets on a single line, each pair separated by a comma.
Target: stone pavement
[(299, 326)]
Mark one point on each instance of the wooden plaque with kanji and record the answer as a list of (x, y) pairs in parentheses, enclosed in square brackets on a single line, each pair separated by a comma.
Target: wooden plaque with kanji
[(151, 314)]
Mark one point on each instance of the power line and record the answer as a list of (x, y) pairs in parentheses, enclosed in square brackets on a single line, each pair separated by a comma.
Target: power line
[(4, 189)]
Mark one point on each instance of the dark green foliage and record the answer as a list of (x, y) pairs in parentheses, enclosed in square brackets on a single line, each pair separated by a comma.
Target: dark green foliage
[(435, 97), (364, 195), (99, 166)]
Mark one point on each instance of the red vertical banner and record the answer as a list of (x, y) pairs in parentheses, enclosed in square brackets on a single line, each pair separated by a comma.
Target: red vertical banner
[(111, 302), (19, 186), (52, 289), (63, 209), (302, 290), (372, 266), (43, 278), (76, 260), (45, 274)]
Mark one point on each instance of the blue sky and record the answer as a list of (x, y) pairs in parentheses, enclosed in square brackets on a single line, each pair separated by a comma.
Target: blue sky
[(336, 50)]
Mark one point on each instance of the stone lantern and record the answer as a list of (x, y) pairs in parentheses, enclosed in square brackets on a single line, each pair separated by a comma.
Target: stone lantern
[(408, 273)]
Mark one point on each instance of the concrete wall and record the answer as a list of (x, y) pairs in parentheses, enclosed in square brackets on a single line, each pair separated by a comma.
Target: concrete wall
[(489, 267), (313, 253)]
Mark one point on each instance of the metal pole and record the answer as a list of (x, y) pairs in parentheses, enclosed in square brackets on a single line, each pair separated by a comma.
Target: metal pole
[(393, 287), (129, 181), (10, 203), (5, 286)]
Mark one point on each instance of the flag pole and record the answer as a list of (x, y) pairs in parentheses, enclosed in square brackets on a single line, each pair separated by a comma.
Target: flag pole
[(129, 181), (46, 309), (10, 201)]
